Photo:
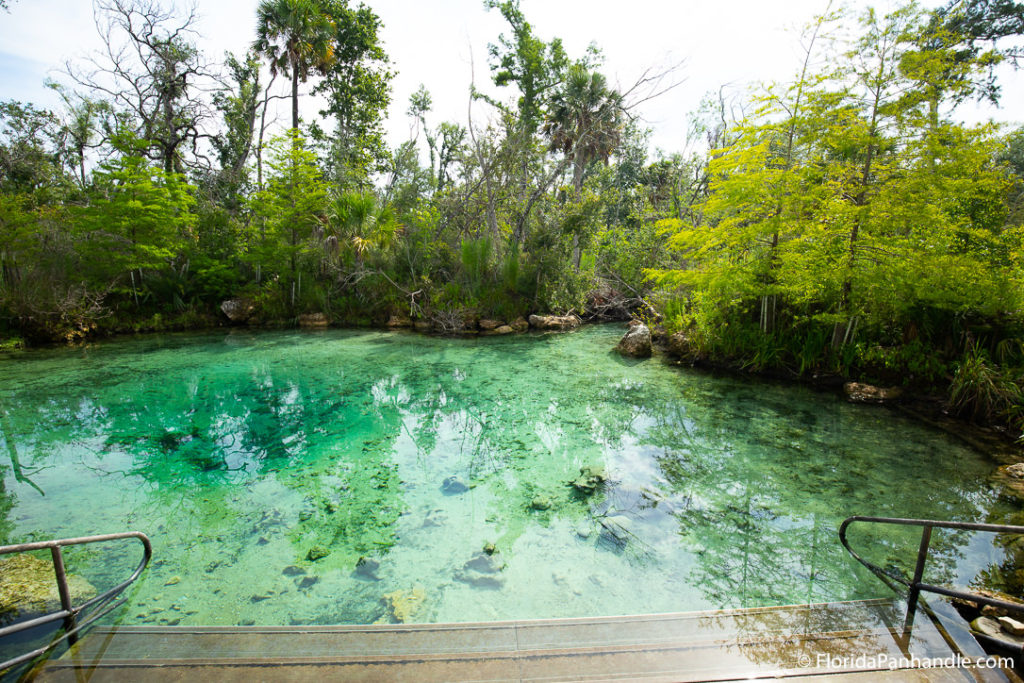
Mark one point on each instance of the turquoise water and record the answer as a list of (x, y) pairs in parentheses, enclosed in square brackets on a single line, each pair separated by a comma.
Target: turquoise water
[(240, 453)]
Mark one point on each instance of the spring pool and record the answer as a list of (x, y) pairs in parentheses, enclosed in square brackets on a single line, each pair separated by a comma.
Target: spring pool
[(347, 476)]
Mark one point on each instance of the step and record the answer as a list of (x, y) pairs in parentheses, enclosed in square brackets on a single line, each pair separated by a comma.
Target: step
[(696, 646)]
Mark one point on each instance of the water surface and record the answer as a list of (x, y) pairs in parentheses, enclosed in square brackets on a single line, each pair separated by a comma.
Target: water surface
[(240, 453)]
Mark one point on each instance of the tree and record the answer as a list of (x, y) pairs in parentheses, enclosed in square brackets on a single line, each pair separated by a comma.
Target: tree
[(30, 141), (139, 218), (534, 66), (356, 84), (239, 108), (290, 210), (150, 72), (584, 121), (81, 126), (295, 36)]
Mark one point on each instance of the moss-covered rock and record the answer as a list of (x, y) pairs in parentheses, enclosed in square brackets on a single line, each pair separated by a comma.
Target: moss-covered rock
[(28, 588), (540, 502), (317, 552), (590, 479)]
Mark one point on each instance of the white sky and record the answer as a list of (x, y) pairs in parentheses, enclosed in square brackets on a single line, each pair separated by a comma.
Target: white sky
[(434, 41)]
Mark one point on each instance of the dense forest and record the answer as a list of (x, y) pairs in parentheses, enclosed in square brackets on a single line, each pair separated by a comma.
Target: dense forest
[(844, 222)]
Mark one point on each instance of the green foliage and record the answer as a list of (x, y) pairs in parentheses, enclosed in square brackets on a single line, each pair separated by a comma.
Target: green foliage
[(289, 213), (984, 392), (139, 218)]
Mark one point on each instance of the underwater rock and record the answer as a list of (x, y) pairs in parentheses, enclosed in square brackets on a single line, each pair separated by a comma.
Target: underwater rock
[(367, 567), (482, 571), (554, 322), (636, 343), (259, 598), (520, 324), (306, 582), (293, 570), (173, 581), (404, 605), (454, 486), (857, 392), (28, 588), (237, 310), (317, 552), (590, 479), (484, 563), (616, 529), (312, 320), (434, 518), (584, 531), (490, 548), (540, 503)]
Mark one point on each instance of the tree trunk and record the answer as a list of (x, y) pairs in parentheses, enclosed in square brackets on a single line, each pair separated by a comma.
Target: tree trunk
[(295, 96)]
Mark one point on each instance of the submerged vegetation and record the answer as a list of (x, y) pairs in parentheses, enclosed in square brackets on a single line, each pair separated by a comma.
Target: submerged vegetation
[(845, 224)]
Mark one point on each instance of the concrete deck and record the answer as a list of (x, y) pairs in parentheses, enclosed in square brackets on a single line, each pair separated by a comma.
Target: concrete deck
[(804, 642)]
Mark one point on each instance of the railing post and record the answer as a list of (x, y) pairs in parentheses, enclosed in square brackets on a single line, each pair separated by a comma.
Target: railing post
[(922, 555), (62, 589)]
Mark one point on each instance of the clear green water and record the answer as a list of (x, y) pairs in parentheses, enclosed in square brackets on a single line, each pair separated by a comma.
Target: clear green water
[(238, 453)]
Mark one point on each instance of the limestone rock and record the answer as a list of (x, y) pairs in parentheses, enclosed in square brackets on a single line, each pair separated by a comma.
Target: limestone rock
[(990, 627), (519, 324), (453, 486), (1016, 470), (857, 392), (237, 310), (399, 321), (293, 570), (487, 324), (404, 605), (28, 588), (501, 329), (554, 322), (636, 343), (313, 320), (590, 479), (1011, 626), (423, 325)]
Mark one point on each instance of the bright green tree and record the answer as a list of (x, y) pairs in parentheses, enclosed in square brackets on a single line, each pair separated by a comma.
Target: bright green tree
[(290, 211), (138, 219)]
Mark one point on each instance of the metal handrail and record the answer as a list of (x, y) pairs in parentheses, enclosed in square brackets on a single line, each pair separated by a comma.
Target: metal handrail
[(68, 612), (916, 585)]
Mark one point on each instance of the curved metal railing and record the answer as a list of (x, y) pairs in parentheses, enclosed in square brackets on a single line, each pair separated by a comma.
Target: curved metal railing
[(68, 613), (916, 585)]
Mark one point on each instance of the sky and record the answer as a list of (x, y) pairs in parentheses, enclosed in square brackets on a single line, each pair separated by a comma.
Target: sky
[(443, 43)]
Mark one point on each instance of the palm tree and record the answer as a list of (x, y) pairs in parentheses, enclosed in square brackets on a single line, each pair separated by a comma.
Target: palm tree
[(584, 120), (360, 222), (296, 37)]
